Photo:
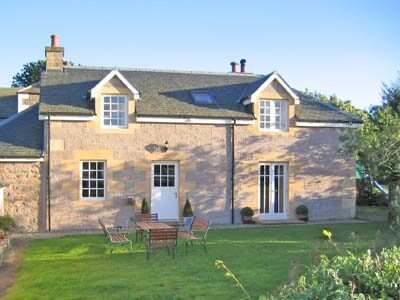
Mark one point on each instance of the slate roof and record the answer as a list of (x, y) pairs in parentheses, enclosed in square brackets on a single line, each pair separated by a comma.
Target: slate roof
[(168, 94), (8, 102), (312, 110), (22, 136), (32, 89)]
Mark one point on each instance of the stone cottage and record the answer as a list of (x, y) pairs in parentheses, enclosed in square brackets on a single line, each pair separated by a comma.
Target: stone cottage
[(76, 145)]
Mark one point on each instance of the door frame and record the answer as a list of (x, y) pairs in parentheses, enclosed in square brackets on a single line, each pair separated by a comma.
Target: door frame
[(284, 214), (177, 181)]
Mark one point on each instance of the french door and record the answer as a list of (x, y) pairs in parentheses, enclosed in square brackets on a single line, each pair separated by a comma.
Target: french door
[(164, 189), (273, 191)]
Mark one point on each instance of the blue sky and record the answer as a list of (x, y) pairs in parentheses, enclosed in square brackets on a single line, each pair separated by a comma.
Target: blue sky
[(347, 48)]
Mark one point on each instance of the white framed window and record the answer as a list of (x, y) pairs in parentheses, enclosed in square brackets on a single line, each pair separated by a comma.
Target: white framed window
[(93, 180), (273, 189), (115, 111), (273, 115)]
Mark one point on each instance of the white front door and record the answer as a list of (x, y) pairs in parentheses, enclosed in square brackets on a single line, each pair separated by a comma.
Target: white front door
[(273, 191), (164, 189)]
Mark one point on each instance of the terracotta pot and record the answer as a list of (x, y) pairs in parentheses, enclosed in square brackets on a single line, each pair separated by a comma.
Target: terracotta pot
[(247, 219)]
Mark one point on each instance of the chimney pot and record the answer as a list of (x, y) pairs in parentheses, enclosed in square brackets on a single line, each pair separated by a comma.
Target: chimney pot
[(233, 65), (242, 65), (54, 40)]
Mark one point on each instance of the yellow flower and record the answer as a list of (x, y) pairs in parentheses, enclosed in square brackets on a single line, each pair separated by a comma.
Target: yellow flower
[(327, 233), (219, 263)]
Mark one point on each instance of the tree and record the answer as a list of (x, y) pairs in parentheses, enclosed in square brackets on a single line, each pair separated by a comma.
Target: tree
[(376, 145), (29, 74)]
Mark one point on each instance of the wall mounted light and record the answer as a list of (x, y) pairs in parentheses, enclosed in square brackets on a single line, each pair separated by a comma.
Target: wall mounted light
[(165, 147)]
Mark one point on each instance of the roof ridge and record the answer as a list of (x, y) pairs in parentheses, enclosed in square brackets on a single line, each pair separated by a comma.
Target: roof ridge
[(164, 71)]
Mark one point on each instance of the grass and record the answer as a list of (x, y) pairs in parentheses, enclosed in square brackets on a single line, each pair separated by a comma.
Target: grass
[(79, 267)]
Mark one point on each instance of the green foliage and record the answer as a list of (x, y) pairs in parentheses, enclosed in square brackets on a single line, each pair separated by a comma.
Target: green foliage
[(187, 209), (376, 145), (145, 207), (29, 74), (302, 210), (350, 276), (247, 211), (1, 183), (7, 223)]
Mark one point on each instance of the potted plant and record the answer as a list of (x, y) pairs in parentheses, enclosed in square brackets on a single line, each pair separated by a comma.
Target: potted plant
[(302, 212), (247, 215), (187, 213), (7, 223), (145, 207)]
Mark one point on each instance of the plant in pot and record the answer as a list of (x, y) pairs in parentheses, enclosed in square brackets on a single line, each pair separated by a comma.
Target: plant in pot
[(247, 215), (302, 212), (145, 207), (187, 213), (7, 223)]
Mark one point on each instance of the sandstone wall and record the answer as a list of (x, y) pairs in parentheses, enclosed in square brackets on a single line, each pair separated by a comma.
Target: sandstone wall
[(22, 195)]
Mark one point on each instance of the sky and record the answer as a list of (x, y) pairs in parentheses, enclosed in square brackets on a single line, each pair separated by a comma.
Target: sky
[(342, 47)]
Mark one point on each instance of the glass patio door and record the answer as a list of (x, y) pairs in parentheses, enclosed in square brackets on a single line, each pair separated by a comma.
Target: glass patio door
[(273, 191)]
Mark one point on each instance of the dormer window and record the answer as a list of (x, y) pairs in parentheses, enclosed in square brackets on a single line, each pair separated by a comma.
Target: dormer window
[(273, 115), (202, 98), (115, 111)]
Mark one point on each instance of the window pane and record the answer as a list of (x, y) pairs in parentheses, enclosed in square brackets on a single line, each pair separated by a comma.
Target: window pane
[(93, 174), (85, 193), (107, 122), (93, 193), (85, 165), (156, 180), (93, 166), (85, 183), (114, 122), (262, 198), (171, 181), (171, 170), (164, 181), (106, 99), (93, 184), (157, 169), (85, 174), (100, 174), (100, 193), (100, 165), (100, 184), (164, 170)]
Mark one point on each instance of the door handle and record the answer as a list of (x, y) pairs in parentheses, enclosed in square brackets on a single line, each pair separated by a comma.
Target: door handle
[(176, 195)]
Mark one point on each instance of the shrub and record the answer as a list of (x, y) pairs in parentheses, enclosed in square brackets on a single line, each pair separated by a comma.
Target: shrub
[(7, 223), (187, 209), (246, 211), (302, 210), (349, 276), (145, 207)]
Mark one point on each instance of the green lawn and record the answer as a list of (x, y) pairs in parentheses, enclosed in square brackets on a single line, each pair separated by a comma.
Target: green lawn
[(79, 267)]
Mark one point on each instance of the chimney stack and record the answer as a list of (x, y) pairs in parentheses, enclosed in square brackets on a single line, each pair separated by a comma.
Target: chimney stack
[(54, 55), (233, 65), (242, 65)]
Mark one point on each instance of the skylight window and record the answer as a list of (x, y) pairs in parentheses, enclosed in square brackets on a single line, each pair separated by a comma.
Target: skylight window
[(203, 98)]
